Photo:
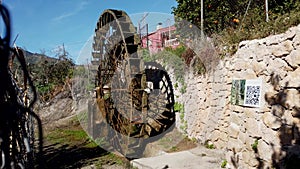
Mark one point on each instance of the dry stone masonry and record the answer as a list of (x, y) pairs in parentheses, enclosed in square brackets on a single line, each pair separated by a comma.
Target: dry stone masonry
[(252, 137)]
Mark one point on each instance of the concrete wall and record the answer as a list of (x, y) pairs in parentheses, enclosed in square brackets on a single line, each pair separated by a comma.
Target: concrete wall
[(275, 125)]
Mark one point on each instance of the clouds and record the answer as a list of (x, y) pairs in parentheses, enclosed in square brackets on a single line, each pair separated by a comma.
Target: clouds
[(74, 11), (63, 16)]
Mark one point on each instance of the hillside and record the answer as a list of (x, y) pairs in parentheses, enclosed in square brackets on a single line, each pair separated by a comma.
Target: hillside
[(34, 58)]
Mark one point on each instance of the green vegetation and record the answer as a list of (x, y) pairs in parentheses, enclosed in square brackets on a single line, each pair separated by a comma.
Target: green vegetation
[(224, 163), (194, 140), (146, 55), (172, 58), (208, 144), (181, 117), (184, 126), (183, 88), (74, 138), (174, 149), (175, 85), (254, 145), (227, 23), (106, 96), (63, 136), (51, 75), (220, 16), (178, 107)]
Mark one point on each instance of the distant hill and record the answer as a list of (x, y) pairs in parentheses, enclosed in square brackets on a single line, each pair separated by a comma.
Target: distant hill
[(34, 58)]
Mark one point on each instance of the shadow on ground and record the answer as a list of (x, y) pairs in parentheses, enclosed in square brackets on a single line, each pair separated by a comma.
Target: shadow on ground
[(66, 156)]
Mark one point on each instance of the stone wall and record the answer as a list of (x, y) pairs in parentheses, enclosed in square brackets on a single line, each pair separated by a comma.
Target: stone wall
[(274, 127)]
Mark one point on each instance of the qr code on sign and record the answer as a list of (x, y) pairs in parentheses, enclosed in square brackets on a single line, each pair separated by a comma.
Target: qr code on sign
[(252, 95)]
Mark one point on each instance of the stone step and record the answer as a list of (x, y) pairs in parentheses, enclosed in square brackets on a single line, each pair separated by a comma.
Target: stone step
[(190, 159)]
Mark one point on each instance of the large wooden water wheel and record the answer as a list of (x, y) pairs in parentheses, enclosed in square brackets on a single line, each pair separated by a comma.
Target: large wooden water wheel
[(134, 100)]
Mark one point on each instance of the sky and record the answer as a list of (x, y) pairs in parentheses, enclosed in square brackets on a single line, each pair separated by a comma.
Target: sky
[(45, 25)]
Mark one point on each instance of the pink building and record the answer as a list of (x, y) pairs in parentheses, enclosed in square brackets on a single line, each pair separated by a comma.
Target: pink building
[(159, 39)]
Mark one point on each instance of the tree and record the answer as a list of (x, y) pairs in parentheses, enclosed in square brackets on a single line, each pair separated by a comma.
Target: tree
[(220, 14), (51, 74)]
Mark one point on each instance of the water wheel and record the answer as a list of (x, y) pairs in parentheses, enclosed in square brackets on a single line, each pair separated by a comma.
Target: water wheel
[(134, 100)]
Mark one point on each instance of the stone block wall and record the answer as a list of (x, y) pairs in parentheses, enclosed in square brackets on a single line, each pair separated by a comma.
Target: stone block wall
[(252, 137)]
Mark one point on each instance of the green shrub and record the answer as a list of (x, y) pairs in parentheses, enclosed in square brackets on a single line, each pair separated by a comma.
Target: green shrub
[(176, 85), (183, 89), (178, 107), (224, 163), (208, 144), (184, 126), (254, 145), (50, 75), (194, 140), (230, 24), (168, 57)]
